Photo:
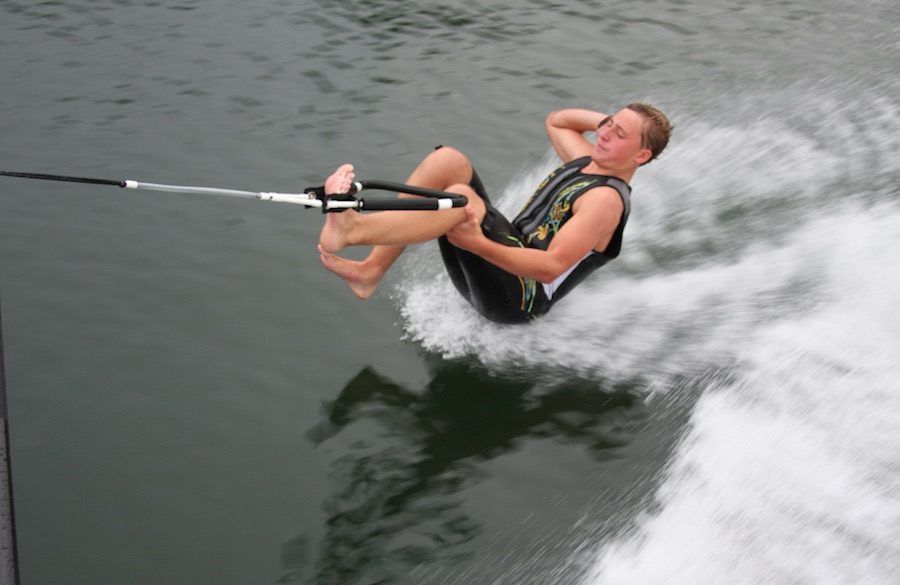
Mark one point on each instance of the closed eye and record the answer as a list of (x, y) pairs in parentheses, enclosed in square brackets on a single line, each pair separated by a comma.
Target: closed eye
[(609, 122)]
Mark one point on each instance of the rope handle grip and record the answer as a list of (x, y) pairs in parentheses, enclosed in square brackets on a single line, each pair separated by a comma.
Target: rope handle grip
[(434, 200)]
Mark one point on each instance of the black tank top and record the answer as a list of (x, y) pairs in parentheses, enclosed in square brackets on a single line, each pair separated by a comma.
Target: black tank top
[(550, 207)]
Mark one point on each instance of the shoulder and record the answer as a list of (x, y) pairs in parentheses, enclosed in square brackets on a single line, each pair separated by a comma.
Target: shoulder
[(605, 200)]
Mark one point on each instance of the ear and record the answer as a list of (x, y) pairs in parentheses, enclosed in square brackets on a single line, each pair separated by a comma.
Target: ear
[(643, 156)]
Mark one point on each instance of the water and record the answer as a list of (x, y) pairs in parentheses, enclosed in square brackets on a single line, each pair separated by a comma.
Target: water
[(192, 399)]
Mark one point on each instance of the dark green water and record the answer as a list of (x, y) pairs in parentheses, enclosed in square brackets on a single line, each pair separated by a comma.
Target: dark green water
[(194, 400), (169, 357)]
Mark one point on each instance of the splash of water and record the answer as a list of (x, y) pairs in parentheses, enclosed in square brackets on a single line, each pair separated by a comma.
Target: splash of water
[(712, 252), (790, 471)]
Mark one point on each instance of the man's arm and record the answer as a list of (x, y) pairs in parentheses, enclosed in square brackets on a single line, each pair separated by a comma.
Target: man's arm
[(566, 130), (595, 217)]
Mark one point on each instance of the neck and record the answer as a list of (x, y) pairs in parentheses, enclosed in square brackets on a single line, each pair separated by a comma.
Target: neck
[(625, 174)]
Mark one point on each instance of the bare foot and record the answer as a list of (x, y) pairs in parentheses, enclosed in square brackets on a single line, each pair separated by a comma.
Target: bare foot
[(333, 237), (361, 277)]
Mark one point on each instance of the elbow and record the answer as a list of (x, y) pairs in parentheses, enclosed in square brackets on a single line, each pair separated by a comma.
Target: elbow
[(554, 265), (551, 120), (548, 274)]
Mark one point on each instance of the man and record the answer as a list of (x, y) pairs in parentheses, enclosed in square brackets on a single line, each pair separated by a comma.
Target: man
[(511, 271)]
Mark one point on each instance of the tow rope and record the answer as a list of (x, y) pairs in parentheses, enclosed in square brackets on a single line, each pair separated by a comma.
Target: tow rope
[(311, 197)]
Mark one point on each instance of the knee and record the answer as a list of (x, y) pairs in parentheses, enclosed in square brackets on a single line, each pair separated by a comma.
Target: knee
[(475, 201), (451, 158), (460, 189)]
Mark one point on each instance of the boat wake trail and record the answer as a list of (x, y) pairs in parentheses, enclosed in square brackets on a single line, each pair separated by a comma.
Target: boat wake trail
[(790, 472)]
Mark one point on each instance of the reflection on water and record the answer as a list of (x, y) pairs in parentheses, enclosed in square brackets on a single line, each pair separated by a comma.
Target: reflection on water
[(396, 500)]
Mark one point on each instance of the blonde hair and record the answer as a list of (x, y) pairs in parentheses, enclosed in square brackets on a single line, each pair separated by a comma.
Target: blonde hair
[(656, 130)]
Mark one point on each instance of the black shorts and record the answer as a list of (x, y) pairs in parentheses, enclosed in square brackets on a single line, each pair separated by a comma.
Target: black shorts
[(495, 293)]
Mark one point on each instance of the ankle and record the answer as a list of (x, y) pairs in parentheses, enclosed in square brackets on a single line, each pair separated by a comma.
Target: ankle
[(380, 260), (349, 227)]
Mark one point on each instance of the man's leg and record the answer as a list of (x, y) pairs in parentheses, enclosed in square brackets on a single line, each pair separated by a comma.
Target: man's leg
[(390, 231)]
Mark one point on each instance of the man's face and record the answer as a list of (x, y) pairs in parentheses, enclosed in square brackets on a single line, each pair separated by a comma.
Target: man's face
[(619, 140)]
